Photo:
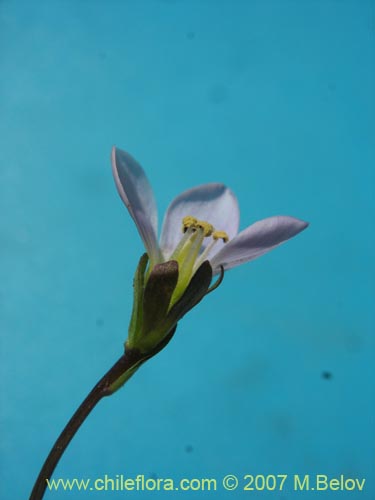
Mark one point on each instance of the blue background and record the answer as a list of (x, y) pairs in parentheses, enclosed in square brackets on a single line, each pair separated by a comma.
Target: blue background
[(273, 98)]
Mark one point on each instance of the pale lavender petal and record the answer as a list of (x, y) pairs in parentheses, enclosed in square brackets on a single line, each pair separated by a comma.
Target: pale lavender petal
[(256, 240), (135, 191), (213, 203)]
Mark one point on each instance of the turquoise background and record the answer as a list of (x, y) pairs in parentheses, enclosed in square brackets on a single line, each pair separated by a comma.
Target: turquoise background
[(273, 98)]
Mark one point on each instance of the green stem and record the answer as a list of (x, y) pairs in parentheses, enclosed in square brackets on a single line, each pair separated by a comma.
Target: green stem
[(103, 388)]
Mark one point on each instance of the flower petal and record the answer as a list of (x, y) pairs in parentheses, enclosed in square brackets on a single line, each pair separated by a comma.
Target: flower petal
[(256, 240), (214, 203), (135, 191)]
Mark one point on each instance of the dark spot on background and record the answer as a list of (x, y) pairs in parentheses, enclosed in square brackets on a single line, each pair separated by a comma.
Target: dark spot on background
[(218, 93), (99, 322), (190, 35), (326, 375), (102, 55), (153, 475), (332, 87), (188, 448)]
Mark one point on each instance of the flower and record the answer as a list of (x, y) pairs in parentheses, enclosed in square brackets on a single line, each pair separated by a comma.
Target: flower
[(199, 239)]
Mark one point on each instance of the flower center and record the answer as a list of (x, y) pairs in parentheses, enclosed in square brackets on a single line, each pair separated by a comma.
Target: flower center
[(188, 251)]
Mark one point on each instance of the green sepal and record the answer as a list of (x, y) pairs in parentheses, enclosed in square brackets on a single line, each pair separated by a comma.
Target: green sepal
[(153, 320), (135, 326), (194, 293), (139, 359)]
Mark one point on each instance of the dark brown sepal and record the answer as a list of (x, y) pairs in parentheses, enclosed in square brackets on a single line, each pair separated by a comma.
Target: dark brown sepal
[(157, 294)]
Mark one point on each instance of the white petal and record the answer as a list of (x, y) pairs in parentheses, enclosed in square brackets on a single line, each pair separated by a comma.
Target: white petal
[(135, 191), (256, 240), (213, 203)]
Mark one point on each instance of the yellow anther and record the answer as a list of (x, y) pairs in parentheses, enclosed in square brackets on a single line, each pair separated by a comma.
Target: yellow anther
[(208, 228), (220, 235), (187, 222)]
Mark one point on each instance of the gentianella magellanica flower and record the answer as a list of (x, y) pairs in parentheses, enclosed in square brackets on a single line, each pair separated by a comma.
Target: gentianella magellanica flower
[(199, 239)]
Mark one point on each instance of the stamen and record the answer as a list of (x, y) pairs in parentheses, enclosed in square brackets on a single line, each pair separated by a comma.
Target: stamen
[(208, 228), (186, 237), (187, 252), (221, 235), (216, 236), (186, 259), (188, 222)]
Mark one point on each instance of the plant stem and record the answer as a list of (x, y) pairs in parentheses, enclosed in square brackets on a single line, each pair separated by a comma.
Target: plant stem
[(103, 388)]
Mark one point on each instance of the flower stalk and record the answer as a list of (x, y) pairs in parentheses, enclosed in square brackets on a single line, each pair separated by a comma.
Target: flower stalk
[(115, 377), (102, 389)]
